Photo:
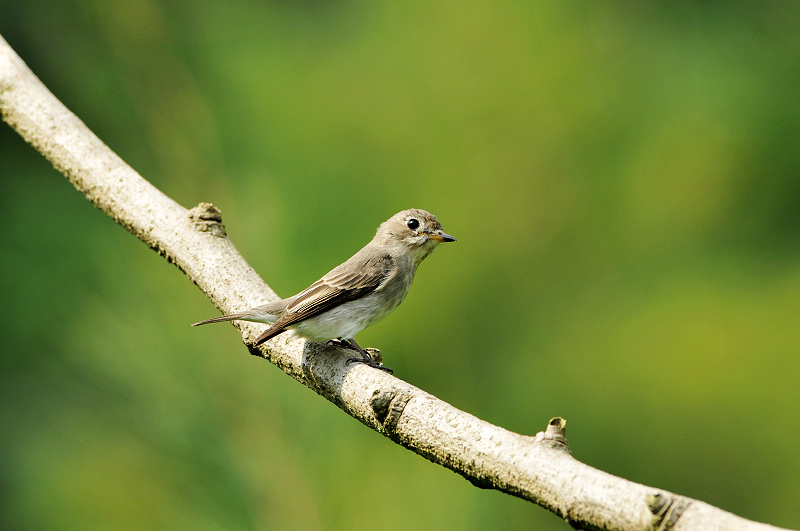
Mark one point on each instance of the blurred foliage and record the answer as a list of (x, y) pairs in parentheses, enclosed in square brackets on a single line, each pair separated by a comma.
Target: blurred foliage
[(623, 181)]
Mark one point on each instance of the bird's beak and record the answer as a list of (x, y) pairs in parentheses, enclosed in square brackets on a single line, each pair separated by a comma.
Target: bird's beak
[(442, 237)]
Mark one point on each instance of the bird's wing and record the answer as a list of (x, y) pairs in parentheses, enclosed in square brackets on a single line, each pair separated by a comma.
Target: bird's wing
[(337, 287)]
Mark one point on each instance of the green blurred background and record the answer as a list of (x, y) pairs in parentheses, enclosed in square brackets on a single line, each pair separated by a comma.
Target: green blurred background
[(623, 181)]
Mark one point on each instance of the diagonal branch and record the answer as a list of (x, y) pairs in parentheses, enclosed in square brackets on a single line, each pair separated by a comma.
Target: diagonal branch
[(539, 469)]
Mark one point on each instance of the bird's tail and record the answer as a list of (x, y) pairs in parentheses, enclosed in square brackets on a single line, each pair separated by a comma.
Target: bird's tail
[(250, 315), (219, 319)]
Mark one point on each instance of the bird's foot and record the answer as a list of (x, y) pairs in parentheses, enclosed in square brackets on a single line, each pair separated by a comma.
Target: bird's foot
[(339, 342), (369, 356), (372, 363)]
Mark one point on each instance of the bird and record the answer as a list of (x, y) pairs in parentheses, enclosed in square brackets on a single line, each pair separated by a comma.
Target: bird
[(357, 293)]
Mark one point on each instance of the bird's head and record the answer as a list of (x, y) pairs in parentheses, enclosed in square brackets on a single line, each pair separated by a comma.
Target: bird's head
[(415, 231)]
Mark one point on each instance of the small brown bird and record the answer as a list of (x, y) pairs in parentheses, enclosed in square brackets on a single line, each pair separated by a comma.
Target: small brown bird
[(359, 292)]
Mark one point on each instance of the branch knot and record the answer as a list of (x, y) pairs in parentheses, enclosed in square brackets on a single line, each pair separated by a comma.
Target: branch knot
[(667, 510), (388, 406), (207, 218)]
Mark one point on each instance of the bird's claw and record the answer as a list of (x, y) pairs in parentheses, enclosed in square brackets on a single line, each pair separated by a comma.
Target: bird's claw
[(369, 356), (371, 363), (337, 342)]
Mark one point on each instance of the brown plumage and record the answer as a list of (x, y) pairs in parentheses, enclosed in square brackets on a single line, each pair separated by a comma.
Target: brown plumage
[(360, 291)]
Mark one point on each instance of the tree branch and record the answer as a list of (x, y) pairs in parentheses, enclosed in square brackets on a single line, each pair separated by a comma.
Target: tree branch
[(539, 469)]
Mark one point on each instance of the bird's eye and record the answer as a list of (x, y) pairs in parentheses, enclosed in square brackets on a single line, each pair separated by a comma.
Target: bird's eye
[(412, 224)]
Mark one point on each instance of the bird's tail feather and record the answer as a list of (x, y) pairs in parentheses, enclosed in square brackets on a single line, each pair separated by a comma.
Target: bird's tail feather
[(255, 317), (219, 319)]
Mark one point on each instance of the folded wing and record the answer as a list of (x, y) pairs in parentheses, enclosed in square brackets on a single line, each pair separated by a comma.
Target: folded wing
[(341, 285)]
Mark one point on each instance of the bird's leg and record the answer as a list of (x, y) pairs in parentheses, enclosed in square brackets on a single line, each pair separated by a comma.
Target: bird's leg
[(365, 356), (339, 342)]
